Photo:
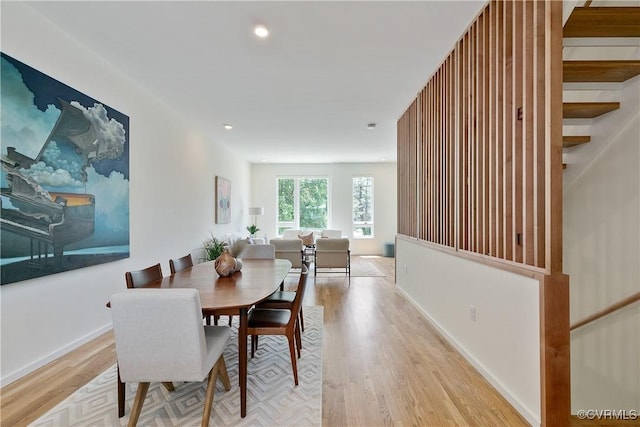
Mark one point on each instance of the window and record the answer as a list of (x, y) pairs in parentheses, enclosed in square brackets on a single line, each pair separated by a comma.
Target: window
[(363, 206), (303, 203)]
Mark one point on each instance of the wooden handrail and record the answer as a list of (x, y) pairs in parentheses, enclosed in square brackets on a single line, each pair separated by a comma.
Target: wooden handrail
[(614, 307)]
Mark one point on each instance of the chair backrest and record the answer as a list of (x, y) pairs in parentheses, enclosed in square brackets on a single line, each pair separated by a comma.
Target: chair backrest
[(302, 285), (331, 234), (332, 252), (179, 264), (290, 234), (159, 335), (258, 252), (290, 249), (138, 278)]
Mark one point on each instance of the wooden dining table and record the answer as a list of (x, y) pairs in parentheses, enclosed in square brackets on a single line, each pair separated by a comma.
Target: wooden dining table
[(257, 279)]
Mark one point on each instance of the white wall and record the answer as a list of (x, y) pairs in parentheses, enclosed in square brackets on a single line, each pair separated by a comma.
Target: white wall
[(171, 198), (503, 342), (602, 255), (264, 193)]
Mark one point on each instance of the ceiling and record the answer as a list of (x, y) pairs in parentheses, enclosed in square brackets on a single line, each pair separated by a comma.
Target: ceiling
[(305, 94)]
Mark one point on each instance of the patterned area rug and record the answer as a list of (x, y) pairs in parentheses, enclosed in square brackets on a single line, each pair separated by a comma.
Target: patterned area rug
[(360, 267), (272, 397)]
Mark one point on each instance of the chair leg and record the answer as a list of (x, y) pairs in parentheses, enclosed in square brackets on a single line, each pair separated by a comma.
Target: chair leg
[(254, 344), (121, 395), (211, 388), (169, 386), (294, 365), (301, 318), (137, 403), (230, 320), (298, 339), (224, 374), (215, 319)]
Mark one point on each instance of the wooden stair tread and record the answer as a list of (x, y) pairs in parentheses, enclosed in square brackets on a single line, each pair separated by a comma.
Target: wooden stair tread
[(603, 22), (600, 71), (587, 110), (572, 141)]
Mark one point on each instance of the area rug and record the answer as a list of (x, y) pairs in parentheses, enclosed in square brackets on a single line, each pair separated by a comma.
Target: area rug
[(272, 397), (360, 267)]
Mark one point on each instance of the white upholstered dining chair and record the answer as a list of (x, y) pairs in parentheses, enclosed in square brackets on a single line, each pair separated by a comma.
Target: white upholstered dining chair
[(160, 338), (258, 252)]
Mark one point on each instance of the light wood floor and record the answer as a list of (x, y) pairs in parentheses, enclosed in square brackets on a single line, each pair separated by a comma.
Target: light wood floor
[(383, 365)]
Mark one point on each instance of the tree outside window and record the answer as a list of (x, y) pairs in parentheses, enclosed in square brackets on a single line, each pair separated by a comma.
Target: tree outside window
[(303, 203), (363, 206)]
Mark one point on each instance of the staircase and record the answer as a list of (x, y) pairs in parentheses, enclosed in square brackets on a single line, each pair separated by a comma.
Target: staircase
[(600, 95), (593, 31)]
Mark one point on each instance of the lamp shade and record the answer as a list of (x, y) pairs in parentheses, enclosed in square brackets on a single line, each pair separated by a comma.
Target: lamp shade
[(256, 211)]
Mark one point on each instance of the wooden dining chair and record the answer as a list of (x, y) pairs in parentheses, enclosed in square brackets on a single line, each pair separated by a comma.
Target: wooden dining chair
[(179, 264), (159, 336), (270, 321), (284, 299), (136, 279)]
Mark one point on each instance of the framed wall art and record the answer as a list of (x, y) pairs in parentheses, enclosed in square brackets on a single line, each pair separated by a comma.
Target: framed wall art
[(65, 177), (223, 200)]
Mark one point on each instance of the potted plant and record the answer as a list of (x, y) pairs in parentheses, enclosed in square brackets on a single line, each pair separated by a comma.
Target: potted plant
[(213, 248), (253, 229)]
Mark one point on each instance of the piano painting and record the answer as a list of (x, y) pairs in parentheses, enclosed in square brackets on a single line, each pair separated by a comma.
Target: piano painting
[(65, 177)]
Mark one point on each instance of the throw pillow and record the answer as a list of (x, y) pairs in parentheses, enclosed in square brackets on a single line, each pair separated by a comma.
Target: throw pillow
[(307, 238)]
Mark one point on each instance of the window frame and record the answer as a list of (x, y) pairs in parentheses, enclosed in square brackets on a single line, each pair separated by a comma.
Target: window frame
[(295, 224), (361, 224)]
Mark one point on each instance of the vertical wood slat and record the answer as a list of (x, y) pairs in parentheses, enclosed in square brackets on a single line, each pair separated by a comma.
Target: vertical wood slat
[(499, 101), (463, 235), (507, 134), (553, 137), (517, 131), (539, 138), (452, 152), (492, 135), (528, 135), (486, 127)]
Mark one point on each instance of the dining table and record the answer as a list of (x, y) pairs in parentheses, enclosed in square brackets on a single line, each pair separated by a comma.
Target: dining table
[(254, 282)]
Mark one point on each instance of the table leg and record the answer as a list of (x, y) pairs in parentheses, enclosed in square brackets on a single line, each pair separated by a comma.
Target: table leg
[(242, 368)]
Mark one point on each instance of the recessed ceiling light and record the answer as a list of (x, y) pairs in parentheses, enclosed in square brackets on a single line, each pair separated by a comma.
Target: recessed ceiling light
[(371, 126), (227, 126), (261, 31)]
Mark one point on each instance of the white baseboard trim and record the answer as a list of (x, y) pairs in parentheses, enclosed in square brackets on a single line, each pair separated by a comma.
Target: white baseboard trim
[(16, 375), (530, 417)]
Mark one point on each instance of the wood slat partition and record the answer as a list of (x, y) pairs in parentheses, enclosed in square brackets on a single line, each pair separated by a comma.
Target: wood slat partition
[(407, 172), (483, 114), (487, 133)]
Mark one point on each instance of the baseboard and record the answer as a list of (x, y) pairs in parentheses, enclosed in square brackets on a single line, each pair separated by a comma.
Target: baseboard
[(530, 417), (4, 381)]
